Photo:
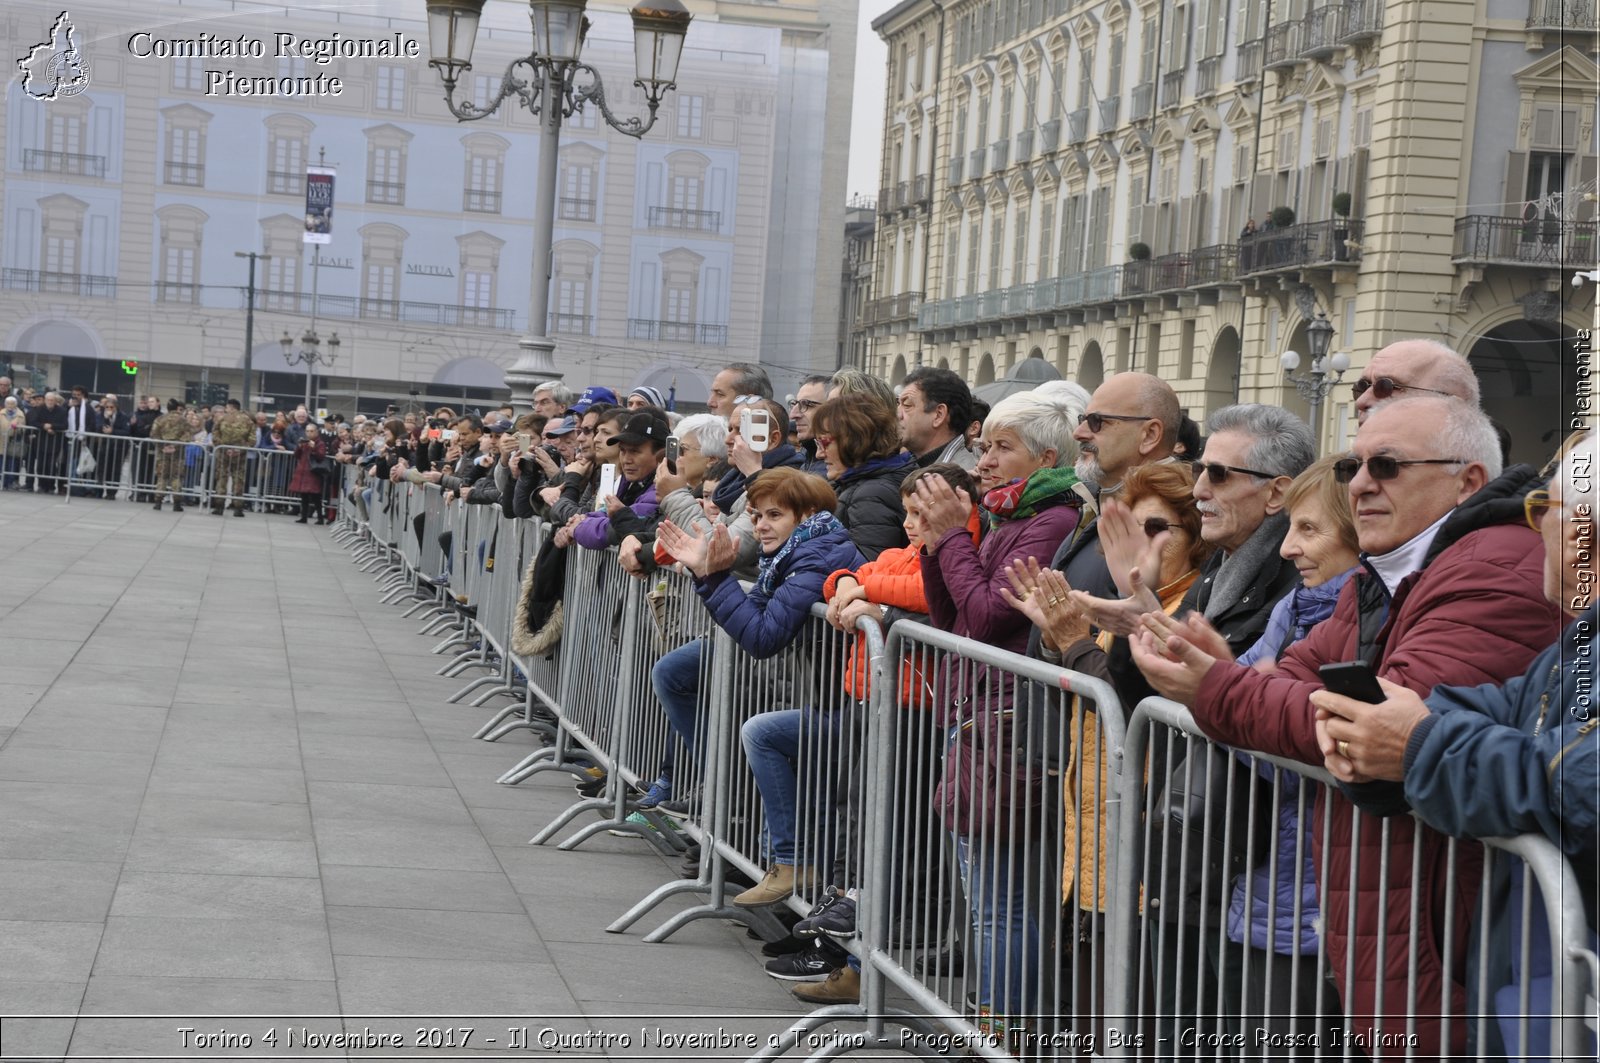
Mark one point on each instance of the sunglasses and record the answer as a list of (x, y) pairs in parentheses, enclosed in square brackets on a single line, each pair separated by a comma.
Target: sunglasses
[(1097, 421), (1218, 473), (1384, 387), (1154, 526), (1383, 467)]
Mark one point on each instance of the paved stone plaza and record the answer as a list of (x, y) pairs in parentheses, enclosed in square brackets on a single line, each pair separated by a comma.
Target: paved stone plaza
[(232, 785)]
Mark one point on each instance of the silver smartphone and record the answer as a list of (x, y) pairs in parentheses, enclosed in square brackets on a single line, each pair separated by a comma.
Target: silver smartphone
[(608, 485)]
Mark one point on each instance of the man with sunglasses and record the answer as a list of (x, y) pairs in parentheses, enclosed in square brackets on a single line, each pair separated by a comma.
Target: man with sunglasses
[(1410, 368), (1448, 594)]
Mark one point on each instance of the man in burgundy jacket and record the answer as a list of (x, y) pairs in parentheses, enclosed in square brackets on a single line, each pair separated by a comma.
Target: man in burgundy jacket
[(1450, 592)]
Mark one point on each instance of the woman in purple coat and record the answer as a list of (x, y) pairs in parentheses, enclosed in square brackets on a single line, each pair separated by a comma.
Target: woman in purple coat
[(307, 481), (1032, 499)]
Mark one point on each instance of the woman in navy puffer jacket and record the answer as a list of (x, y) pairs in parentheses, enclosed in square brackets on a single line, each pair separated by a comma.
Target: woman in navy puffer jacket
[(801, 542)]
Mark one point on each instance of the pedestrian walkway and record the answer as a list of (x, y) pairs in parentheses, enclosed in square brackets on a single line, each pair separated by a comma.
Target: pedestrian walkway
[(232, 786)]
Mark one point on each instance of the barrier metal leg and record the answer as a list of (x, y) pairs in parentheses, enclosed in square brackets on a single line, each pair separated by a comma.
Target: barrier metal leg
[(494, 721), (507, 690), (757, 919)]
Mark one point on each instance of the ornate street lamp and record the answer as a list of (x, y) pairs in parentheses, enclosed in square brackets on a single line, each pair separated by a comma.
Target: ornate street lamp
[(552, 83), (1323, 376), (310, 354)]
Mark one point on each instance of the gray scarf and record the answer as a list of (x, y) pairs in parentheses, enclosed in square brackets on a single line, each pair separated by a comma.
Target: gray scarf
[(1240, 569)]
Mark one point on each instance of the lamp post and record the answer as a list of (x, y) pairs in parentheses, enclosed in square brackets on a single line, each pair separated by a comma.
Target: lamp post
[(1324, 373), (310, 353), (553, 82)]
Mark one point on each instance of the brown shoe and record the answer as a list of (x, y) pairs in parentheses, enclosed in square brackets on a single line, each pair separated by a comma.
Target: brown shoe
[(843, 986), (777, 885)]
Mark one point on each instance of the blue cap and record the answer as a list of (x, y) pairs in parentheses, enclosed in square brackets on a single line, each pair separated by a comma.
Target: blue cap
[(590, 396), (561, 427)]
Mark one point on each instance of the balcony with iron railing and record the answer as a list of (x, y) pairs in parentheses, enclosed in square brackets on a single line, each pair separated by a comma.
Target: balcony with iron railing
[(1312, 244), (1283, 45), (956, 169), (390, 192), (32, 280), (892, 308), (1212, 265), (999, 155), (480, 201), (172, 292), (975, 162), (358, 307), (1049, 136), (575, 208), (1024, 146), (886, 199), (1540, 243), (1078, 125), (1171, 89), (1110, 108), (902, 195), (571, 324), (1363, 20), (1573, 16), (1324, 29), (921, 189), (185, 173), (641, 328), (1207, 75), (1141, 101), (63, 162), (1248, 65)]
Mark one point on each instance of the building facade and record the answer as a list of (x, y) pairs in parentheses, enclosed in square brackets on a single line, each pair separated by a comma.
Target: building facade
[(1181, 187), (125, 203)]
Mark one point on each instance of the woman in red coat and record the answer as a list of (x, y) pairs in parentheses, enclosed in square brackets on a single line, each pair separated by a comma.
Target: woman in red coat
[(307, 481)]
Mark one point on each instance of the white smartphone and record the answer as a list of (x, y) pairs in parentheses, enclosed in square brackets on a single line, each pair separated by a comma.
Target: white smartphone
[(608, 485), (756, 428)]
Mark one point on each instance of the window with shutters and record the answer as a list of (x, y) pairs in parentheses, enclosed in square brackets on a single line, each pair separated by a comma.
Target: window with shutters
[(480, 267), (1019, 247), (1047, 232), (1071, 260), (1361, 133), (1007, 95), (180, 228), (997, 237), (577, 190), (1136, 210), (1288, 148), (1030, 96), (382, 251), (1099, 228), (1149, 43), (1322, 146), (1085, 77), (974, 242), (952, 257), (287, 139), (1114, 66), (386, 164), (477, 289), (1058, 83), (982, 123), (485, 172)]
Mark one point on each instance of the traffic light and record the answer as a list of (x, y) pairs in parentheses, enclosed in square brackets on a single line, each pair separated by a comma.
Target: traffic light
[(130, 367)]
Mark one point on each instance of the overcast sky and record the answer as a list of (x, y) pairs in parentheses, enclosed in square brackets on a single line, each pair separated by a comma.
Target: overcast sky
[(866, 119)]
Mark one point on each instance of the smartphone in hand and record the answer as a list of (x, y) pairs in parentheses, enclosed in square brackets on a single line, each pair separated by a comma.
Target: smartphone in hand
[(1353, 679), (673, 448), (756, 428), (608, 485)]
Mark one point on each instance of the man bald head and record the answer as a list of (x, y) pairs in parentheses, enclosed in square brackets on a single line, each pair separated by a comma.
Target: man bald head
[(1137, 416), (1415, 367)]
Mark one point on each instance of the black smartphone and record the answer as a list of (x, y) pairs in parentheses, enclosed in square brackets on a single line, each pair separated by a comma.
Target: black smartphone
[(1353, 679), (672, 454)]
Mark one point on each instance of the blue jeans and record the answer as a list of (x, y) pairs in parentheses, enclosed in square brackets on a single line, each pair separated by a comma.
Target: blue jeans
[(772, 746), (676, 679), (1004, 928)]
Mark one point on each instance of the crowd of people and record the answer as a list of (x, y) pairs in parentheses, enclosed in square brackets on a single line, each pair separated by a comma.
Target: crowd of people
[(1103, 533)]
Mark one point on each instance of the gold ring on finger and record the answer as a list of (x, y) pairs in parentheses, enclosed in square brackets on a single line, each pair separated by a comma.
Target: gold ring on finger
[(1344, 749)]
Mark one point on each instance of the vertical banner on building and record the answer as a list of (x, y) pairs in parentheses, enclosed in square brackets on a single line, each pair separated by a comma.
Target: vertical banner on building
[(319, 205)]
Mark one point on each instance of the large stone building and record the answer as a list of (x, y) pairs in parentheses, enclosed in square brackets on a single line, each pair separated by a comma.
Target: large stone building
[(1073, 181), (124, 204)]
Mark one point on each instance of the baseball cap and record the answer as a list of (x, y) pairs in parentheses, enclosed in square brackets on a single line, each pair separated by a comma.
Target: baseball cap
[(498, 425), (646, 426), (590, 396), (561, 427)]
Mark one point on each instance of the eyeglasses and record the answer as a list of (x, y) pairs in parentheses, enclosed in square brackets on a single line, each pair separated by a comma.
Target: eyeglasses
[(823, 442), (1384, 387), (745, 400), (1383, 467), (1218, 473), (804, 405), (1097, 421), (1154, 526), (1535, 504)]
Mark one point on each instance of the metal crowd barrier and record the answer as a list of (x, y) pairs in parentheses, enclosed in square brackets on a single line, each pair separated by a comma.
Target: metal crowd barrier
[(1037, 876)]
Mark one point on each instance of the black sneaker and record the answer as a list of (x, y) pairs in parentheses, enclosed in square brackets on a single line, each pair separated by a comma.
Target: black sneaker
[(807, 927), (812, 965), (787, 945), (837, 920)]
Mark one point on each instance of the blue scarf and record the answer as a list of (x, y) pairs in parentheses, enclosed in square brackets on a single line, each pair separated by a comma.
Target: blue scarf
[(818, 524)]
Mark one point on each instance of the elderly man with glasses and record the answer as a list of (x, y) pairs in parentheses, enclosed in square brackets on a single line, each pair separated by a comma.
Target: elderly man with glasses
[(1448, 594)]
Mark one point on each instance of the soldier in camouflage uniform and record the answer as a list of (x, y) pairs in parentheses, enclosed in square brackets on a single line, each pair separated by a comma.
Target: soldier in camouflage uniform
[(234, 428), (171, 433)]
